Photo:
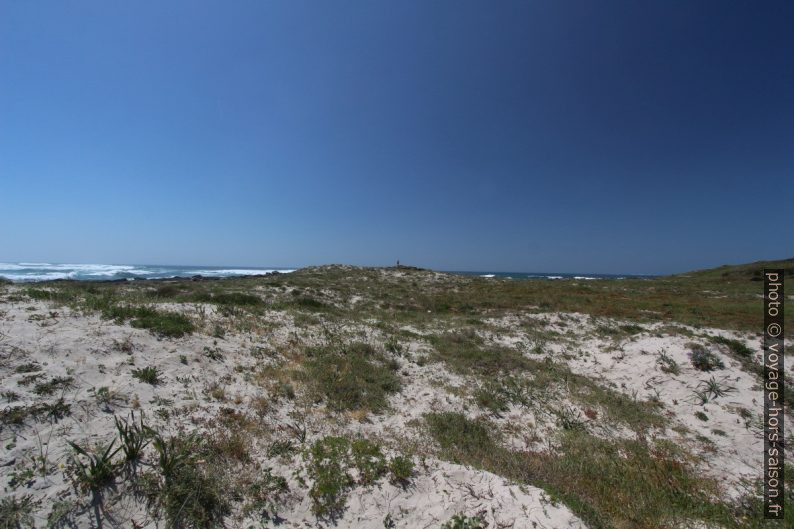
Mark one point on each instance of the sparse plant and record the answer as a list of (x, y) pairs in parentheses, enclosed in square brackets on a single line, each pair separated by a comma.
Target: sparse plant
[(461, 521), (265, 494), (172, 452), (59, 514), (16, 512), (216, 391), (282, 389), (708, 390), (716, 388), (108, 398), (18, 415), (30, 379), (213, 353), (489, 398), (99, 471), (393, 346), (134, 437), (56, 384), (570, 418), (29, 367), (667, 363), (298, 428), (53, 411), (703, 359), (280, 448), (22, 474), (125, 346), (10, 396), (149, 375)]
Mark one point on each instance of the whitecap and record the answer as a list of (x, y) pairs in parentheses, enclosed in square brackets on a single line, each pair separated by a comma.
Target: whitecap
[(239, 272)]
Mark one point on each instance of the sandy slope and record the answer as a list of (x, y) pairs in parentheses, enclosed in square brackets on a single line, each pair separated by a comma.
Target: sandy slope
[(92, 351)]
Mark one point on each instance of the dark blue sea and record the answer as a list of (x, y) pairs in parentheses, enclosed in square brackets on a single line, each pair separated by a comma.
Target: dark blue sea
[(23, 272)]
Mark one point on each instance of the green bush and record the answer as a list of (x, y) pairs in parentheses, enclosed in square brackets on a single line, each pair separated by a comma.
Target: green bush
[(401, 469)]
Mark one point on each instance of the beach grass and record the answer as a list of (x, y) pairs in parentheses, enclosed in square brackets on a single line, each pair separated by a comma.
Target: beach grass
[(304, 370)]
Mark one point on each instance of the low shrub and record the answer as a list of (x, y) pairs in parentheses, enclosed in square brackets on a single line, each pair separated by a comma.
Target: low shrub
[(149, 375), (703, 359)]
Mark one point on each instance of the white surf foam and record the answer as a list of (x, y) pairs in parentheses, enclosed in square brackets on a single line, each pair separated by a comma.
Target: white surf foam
[(238, 272)]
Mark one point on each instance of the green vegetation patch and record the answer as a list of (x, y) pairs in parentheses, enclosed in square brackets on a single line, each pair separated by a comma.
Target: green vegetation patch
[(461, 521), (463, 440), (351, 377), (622, 483), (49, 294), (107, 300), (735, 346), (545, 381), (56, 384), (187, 492), (17, 416), (170, 324), (330, 463), (237, 299), (465, 352)]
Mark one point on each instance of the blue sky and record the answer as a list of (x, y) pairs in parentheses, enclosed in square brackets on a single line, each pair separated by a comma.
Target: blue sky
[(572, 136)]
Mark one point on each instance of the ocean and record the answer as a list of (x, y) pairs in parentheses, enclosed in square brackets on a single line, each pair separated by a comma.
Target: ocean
[(23, 272), (26, 272), (550, 275)]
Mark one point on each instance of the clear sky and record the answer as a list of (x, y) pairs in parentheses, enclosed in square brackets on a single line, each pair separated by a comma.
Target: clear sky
[(571, 136)]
